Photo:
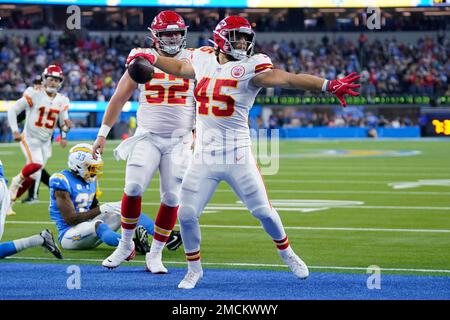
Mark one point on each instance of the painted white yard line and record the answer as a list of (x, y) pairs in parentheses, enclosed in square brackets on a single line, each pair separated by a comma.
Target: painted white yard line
[(238, 207), (273, 179), (327, 167), (301, 168), (334, 229), (239, 264), (286, 227), (309, 171), (285, 191), (410, 175)]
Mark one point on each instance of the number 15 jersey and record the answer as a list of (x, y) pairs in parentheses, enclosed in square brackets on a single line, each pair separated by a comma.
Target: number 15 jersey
[(42, 112), (225, 95)]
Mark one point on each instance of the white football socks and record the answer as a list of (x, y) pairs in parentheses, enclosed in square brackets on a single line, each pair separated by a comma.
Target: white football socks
[(30, 242), (195, 266), (157, 246), (127, 235)]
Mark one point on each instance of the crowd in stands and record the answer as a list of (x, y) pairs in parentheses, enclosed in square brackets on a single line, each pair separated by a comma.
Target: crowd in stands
[(93, 66), (386, 67), (288, 117)]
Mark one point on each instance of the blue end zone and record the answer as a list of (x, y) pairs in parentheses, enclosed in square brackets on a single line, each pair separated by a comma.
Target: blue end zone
[(48, 281)]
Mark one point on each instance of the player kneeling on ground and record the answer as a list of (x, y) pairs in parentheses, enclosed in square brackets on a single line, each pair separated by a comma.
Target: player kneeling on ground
[(81, 222), (44, 239)]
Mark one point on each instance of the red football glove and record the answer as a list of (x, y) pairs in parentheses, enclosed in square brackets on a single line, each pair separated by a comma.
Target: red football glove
[(340, 87), (145, 53)]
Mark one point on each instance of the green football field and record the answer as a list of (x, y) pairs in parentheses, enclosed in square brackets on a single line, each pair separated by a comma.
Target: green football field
[(336, 200)]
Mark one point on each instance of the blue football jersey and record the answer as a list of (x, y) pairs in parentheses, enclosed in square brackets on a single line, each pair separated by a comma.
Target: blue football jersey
[(82, 194)]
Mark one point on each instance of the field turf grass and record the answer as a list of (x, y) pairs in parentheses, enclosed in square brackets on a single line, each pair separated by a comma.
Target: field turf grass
[(403, 231)]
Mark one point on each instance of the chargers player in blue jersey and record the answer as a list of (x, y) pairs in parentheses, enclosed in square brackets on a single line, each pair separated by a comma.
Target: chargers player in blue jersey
[(81, 222), (44, 239)]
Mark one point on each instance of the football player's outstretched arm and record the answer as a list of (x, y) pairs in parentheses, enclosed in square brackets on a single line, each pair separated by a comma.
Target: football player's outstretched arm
[(168, 65), (287, 80), (67, 209), (121, 95), (175, 67), (16, 109)]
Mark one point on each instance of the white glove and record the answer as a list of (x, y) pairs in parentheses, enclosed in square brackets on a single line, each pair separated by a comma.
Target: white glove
[(111, 207)]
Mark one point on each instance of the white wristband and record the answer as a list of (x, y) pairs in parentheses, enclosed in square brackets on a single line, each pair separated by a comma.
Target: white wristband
[(325, 85), (104, 130)]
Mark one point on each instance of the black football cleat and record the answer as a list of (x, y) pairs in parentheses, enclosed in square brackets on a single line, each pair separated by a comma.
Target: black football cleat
[(30, 200), (50, 244)]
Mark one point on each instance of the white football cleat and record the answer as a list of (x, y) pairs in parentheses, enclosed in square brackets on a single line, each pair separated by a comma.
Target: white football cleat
[(10, 211), (153, 260), (16, 183), (293, 261), (190, 280), (123, 252)]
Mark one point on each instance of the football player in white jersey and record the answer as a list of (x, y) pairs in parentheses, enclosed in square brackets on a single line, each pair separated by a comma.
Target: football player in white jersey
[(44, 107), (33, 191), (44, 238), (228, 79), (165, 120)]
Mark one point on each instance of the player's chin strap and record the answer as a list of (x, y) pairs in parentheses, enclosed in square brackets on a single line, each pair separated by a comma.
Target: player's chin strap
[(98, 192)]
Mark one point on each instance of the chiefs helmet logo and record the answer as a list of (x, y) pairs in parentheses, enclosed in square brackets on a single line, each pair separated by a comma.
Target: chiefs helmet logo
[(237, 71)]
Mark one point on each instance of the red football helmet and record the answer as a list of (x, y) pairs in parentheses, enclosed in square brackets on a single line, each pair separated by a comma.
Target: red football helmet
[(168, 32), (226, 37), (53, 71)]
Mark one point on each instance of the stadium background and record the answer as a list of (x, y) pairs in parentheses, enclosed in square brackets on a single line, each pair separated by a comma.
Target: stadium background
[(405, 97)]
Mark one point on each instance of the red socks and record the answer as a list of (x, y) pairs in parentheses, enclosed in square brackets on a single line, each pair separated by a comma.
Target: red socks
[(30, 168), (26, 172), (282, 244), (193, 256), (165, 221), (24, 187), (131, 210)]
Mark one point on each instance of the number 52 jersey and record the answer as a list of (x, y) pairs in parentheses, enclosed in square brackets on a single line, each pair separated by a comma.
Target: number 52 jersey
[(166, 102), (225, 95)]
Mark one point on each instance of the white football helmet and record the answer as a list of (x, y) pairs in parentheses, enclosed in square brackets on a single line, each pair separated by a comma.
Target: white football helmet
[(82, 162)]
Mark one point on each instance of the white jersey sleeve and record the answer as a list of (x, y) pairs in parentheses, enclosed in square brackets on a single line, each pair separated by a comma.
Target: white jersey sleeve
[(260, 63), (24, 103)]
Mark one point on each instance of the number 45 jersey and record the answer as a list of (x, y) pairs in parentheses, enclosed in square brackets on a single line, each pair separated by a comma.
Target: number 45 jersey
[(166, 103), (225, 95)]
